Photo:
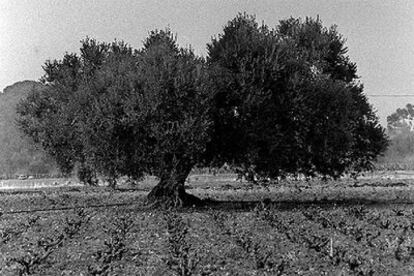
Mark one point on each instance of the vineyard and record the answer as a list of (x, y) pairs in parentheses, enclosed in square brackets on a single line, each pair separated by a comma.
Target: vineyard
[(249, 231)]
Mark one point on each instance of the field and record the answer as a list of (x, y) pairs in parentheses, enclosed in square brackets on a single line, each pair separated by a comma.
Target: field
[(346, 227)]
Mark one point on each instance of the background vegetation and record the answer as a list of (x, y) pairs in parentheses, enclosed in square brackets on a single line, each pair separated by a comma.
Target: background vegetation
[(400, 153), (18, 154)]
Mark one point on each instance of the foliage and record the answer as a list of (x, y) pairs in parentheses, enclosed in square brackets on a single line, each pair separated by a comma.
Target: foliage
[(288, 101), (18, 154), (123, 112), (42, 111)]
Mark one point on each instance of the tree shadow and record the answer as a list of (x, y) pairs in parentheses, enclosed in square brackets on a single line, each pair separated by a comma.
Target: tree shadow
[(246, 206)]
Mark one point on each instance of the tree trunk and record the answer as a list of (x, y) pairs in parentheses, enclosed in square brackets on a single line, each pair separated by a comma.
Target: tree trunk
[(170, 191), (112, 182)]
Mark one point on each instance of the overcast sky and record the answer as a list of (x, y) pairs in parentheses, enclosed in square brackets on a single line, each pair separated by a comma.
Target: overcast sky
[(380, 34)]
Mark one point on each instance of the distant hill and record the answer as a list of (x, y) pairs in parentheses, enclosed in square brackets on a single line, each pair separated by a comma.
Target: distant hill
[(18, 154)]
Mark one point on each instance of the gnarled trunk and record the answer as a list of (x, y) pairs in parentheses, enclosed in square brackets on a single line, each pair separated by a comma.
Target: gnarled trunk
[(170, 191)]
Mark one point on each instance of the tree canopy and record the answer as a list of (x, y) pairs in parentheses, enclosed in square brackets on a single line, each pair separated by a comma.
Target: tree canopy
[(269, 101), (288, 101)]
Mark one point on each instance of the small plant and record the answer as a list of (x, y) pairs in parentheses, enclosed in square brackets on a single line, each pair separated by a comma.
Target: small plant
[(14, 231), (260, 254), (115, 247), (74, 224), (255, 249), (404, 247), (359, 212), (265, 213), (38, 253), (220, 219), (181, 259)]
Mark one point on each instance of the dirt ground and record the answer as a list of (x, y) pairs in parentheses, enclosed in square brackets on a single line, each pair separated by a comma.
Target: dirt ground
[(294, 227)]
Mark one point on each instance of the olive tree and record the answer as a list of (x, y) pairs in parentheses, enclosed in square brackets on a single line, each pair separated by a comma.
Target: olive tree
[(272, 102)]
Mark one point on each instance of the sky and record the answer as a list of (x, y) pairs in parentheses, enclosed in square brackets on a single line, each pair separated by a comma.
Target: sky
[(380, 34)]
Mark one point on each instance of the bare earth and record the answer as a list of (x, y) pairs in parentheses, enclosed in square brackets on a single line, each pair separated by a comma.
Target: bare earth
[(346, 227)]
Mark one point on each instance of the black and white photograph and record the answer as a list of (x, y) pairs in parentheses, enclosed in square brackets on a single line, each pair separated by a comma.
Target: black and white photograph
[(206, 137)]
